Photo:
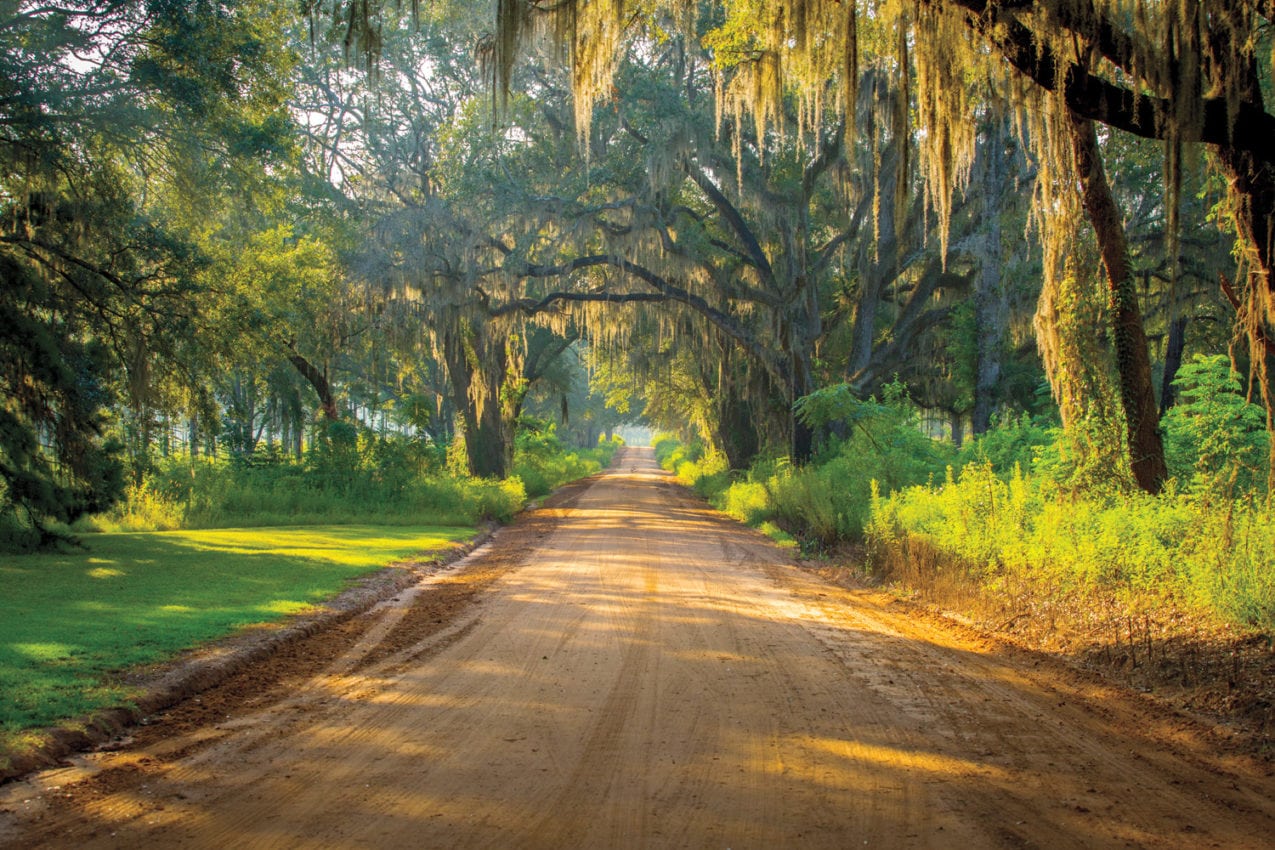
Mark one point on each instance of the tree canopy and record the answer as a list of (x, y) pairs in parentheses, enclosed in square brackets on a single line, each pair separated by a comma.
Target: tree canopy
[(1182, 72), (244, 227)]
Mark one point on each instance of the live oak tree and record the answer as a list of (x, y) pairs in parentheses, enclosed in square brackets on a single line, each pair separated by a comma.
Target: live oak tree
[(106, 106), (750, 238), (413, 150), (1184, 72)]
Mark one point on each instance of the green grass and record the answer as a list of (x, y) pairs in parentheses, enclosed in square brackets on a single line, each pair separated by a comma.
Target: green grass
[(68, 621)]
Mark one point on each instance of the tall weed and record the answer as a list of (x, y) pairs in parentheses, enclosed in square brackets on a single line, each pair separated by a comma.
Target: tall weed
[(1137, 550)]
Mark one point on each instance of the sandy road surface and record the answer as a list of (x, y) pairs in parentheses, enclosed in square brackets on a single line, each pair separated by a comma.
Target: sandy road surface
[(631, 671)]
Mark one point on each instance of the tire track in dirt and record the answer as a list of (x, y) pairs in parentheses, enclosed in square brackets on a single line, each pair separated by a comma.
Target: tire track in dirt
[(628, 669)]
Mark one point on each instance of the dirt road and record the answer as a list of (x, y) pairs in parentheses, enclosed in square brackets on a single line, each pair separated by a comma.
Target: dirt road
[(629, 670)]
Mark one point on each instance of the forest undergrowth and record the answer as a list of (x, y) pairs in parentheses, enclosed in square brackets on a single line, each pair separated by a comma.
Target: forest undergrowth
[(1020, 532), (351, 475)]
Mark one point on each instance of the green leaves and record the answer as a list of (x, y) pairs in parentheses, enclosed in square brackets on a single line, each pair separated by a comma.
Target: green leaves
[(837, 404), (1215, 438), (53, 467)]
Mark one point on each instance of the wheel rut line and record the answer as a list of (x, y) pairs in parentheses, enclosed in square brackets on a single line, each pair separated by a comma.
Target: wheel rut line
[(626, 668)]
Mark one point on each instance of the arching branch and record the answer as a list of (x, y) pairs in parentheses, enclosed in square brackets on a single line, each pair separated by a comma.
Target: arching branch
[(531, 306), (1092, 97), (736, 221), (664, 291), (318, 380)]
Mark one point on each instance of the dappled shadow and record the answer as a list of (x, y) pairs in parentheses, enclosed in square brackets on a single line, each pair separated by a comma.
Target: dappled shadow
[(643, 680)]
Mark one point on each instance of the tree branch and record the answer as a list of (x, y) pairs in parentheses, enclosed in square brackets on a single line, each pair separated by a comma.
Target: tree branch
[(665, 291), (1092, 97), (828, 153), (736, 221)]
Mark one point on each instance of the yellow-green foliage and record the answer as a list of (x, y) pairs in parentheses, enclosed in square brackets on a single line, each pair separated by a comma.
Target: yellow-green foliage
[(543, 463), (804, 501), (708, 475), (143, 508), (747, 501), (671, 452), (827, 500), (777, 534), (1207, 542), (1137, 549), (707, 472)]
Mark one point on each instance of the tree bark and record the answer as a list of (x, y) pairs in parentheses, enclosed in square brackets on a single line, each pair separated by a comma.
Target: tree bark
[(318, 379), (734, 425), (991, 307), (801, 383), (1172, 362), (476, 366), (957, 423), (1241, 129), (1146, 449)]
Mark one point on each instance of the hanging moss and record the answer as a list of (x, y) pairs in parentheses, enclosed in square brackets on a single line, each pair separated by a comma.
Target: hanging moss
[(1173, 54)]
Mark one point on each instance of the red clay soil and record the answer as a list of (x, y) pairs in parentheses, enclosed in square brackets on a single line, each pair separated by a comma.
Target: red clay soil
[(627, 669)]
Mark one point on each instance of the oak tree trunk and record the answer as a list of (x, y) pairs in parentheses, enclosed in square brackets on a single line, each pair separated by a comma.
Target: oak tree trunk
[(1173, 351), (991, 306), (476, 368), (318, 379), (1146, 449)]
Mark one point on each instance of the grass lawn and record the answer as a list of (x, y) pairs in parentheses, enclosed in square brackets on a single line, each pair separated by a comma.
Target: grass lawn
[(67, 620)]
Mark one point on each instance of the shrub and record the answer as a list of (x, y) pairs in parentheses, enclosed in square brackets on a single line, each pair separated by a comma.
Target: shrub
[(998, 533), (671, 453), (747, 501), (1010, 442), (1215, 440), (808, 506), (830, 499), (709, 474), (543, 463), (494, 500), (143, 508)]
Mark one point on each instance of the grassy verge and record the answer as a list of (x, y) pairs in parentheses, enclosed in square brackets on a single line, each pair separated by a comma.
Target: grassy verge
[(73, 620), (542, 463)]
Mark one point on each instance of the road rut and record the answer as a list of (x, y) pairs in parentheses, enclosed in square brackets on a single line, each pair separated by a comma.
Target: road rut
[(635, 671)]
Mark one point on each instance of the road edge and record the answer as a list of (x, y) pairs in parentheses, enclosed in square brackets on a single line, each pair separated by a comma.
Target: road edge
[(195, 670)]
